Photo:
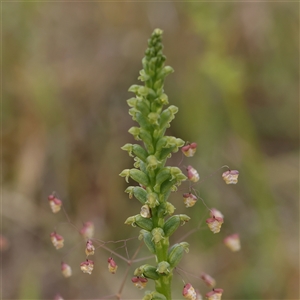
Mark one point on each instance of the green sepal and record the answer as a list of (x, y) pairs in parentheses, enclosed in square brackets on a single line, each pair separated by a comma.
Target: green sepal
[(147, 139), (140, 152), (152, 163), (163, 268), (158, 234), (163, 175), (152, 200), (140, 194), (167, 116), (147, 237), (135, 131), (165, 72), (147, 271), (143, 121), (171, 225), (129, 191), (139, 221), (154, 296), (139, 177), (176, 253)]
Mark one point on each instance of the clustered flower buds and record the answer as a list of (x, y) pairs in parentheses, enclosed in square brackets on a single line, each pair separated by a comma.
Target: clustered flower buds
[(189, 292), (214, 224), (192, 174), (66, 270), (233, 242), (209, 281), (54, 203), (189, 149), (87, 266), (89, 249), (189, 199), (87, 231), (231, 176), (112, 266), (215, 294), (139, 282), (57, 240)]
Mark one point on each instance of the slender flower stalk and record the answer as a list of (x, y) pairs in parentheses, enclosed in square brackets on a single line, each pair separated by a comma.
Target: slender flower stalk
[(155, 181)]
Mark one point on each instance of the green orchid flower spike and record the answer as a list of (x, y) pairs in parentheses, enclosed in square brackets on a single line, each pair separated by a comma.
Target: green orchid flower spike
[(154, 180)]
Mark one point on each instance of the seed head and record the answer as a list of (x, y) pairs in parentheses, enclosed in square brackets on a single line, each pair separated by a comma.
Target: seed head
[(87, 231), (55, 203), (112, 266), (139, 282), (233, 242), (214, 224), (189, 150), (215, 294), (66, 270), (192, 174), (189, 292), (87, 266), (89, 249), (57, 240), (189, 199), (231, 176), (209, 281)]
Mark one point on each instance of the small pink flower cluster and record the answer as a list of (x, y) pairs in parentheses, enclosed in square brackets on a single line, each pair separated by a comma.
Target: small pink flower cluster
[(189, 150), (139, 282)]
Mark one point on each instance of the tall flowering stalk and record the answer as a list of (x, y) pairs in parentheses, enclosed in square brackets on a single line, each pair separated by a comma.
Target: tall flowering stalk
[(155, 180)]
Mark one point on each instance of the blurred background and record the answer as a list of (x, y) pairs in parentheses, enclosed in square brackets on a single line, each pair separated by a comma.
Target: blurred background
[(66, 71)]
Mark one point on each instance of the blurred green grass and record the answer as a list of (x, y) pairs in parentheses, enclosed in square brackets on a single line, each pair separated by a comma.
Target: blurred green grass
[(66, 71)]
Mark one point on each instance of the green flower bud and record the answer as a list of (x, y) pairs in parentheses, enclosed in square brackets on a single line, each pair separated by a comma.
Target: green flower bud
[(139, 151), (158, 234), (168, 185), (143, 223), (163, 175), (171, 225), (139, 221), (153, 118), (143, 106), (147, 139), (167, 116), (132, 102), (129, 190), (163, 268), (176, 253), (125, 173), (130, 221), (140, 194), (128, 148), (143, 121), (152, 200), (135, 131), (134, 88), (152, 162), (165, 72), (143, 76), (139, 177), (148, 240), (170, 208), (147, 271), (153, 296)]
